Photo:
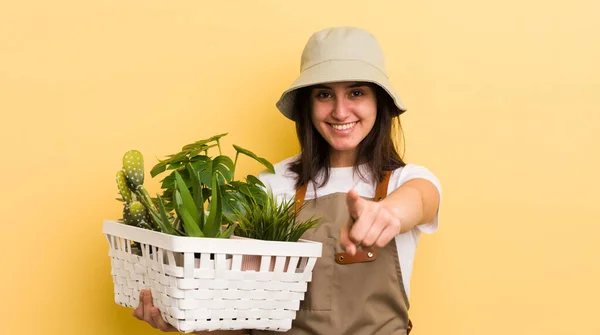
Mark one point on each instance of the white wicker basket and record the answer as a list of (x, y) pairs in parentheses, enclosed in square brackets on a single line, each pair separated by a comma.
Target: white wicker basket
[(201, 284)]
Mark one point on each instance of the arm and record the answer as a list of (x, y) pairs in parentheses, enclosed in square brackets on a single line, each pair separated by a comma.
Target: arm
[(415, 202), (377, 223)]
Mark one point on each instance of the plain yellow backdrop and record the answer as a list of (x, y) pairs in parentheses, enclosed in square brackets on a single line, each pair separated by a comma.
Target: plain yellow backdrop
[(503, 107)]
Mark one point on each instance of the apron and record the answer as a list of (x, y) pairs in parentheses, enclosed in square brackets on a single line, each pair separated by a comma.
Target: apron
[(354, 295)]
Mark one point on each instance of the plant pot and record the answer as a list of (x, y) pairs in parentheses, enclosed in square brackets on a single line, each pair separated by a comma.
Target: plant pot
[(223, 287), (253, 262)]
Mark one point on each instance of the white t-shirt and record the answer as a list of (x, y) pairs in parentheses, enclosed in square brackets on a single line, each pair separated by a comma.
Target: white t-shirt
[(282, 183)]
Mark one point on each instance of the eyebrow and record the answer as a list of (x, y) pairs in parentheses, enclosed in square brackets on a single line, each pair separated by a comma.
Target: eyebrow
[(355, 85)]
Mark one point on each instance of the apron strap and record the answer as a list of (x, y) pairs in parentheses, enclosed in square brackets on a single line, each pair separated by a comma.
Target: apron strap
[(299, 197), (382, 187)]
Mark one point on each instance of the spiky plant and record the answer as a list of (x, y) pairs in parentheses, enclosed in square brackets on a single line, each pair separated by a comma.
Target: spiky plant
[(139, 208), (272, 221)]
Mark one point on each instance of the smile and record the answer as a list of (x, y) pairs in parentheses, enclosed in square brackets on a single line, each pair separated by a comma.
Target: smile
[(345, 126)]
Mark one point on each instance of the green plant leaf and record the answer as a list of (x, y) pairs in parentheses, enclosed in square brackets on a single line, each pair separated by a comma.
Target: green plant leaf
[(197, 194), (179, 157), (272, 220), (199, 145), (202, 143), (232, 201), (176, 166), (222, 166), (157, 219), (252, 180), (203, 166), (177, 225), (213, 223), (245, 190), (168, 227), (261, 160), (159, 168), (190, 225), (169, 181), (216, 137), (194, 152), (187, 201), (227, 232)]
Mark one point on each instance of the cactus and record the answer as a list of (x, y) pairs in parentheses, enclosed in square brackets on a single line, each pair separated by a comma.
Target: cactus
[(138, 212), (127, 217), (133, 166), (123, 189), (139, 209)]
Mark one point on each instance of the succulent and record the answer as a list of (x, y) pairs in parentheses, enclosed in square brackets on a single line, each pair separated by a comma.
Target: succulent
[(133, 166), (127, 217), (137, 211), (123, 189)]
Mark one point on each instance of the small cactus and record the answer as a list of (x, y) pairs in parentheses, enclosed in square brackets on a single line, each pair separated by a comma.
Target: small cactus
[(127, 217), (123, 189), (138, 212), (133, 166)]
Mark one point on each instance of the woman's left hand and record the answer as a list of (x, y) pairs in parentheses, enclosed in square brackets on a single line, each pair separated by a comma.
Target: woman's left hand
[(371, 223)]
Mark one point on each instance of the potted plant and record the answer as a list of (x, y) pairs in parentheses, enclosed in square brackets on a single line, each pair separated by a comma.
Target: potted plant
[(269, 220), (194, 179), (178, 244)]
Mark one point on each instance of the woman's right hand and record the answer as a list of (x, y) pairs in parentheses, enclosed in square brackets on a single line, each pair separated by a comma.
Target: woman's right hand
[(147, 312)]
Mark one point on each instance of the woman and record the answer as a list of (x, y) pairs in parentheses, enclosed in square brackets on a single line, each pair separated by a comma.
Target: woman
[(373, 206)]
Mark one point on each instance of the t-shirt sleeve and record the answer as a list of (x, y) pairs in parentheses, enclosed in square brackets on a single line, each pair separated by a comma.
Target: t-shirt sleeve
[(280, 183), (412, 171)]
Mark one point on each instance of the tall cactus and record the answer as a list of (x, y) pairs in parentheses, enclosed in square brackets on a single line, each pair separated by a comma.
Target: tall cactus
[(140, 207), (133, 166)]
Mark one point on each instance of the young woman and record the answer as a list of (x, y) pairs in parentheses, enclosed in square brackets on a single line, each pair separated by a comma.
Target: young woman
[(373, 205)]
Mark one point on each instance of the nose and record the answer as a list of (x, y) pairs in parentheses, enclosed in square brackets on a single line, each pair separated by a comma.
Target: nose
[(341, 109)]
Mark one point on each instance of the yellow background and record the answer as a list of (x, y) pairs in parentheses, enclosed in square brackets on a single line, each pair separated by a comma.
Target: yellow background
[(503, 107)]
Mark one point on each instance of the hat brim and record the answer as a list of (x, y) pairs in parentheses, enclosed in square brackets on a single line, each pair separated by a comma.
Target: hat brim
[(336, 71)]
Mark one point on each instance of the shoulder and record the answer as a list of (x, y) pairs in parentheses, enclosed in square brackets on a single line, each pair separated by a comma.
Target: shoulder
[(412, 171)]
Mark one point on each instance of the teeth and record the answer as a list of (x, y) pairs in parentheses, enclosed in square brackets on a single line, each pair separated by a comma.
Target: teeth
[(343, 126)]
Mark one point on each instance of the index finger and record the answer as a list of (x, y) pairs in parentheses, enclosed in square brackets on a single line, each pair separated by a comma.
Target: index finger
[(354, 202)]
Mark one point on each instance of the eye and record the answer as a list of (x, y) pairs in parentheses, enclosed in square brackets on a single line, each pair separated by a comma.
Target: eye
[(323, 95), (356, 93)]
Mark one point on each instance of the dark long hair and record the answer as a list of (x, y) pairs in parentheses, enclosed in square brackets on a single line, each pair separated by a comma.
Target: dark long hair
[(377, 149)]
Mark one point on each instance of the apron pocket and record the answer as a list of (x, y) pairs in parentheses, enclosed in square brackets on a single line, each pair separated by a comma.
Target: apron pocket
[(319, 293)]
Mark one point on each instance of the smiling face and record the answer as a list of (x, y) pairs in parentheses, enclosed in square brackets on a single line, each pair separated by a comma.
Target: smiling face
[(343, 113)]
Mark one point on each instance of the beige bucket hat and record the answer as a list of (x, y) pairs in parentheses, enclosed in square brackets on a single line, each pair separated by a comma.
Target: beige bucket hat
[(340, 54)]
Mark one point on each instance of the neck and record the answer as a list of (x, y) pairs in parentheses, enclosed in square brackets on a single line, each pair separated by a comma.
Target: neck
[(342, 158)]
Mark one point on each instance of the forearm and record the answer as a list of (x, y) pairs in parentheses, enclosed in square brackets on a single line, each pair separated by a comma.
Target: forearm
[(415, 202)]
